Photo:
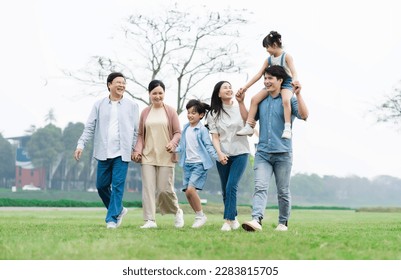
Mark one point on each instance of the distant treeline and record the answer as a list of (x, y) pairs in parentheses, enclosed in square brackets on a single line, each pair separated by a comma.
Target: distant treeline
[(307, 191), (346, 191)]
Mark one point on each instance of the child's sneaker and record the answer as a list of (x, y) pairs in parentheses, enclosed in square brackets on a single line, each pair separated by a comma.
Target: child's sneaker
[(247, 130), (199, 221), (287, 134)]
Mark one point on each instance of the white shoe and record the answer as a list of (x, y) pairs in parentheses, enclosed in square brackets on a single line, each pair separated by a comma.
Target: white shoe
[(111, 225), (199, 221), (235, 224), (246, 130), (281, 227), (287, 134), (149, 224), (252, 226), (120, 217), (226, 227), (179, 219)]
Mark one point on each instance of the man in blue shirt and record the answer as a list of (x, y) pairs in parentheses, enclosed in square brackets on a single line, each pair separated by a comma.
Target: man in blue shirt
[(113, 122), (274, 154)]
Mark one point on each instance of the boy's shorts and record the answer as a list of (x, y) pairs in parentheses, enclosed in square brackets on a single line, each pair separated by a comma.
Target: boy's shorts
[(194, 175)]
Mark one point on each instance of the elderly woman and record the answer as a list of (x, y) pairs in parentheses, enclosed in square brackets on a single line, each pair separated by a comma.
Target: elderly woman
[(159, 133)]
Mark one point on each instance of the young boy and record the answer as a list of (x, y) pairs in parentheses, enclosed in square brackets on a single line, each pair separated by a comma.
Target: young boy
[(196, 150)]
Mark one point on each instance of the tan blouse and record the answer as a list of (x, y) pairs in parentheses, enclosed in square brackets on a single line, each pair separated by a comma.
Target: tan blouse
[(156, 139)]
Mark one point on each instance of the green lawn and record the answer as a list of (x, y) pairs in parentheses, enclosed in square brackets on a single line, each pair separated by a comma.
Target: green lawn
[(80, 234)]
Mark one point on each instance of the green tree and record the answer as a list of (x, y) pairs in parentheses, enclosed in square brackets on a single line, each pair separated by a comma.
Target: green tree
[(73, 170), (7, 162), (171, 43), (45, 148)]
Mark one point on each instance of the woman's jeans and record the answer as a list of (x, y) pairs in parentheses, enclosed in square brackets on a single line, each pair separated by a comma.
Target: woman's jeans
[(230, 175)]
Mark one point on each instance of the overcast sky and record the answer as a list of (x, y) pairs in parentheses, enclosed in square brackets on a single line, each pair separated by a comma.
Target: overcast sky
[(347, 54)]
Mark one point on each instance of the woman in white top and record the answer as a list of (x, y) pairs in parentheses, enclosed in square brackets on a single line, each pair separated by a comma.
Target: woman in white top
[(225, 119)]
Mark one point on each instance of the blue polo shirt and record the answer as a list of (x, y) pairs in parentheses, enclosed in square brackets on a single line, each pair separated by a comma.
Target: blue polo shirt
[(271, 124)]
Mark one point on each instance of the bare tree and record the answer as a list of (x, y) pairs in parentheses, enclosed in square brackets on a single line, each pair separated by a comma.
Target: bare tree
[(171, 43), (390, 109), (50, 117)]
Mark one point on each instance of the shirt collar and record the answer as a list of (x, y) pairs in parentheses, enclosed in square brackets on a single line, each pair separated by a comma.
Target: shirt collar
[(118, 101)]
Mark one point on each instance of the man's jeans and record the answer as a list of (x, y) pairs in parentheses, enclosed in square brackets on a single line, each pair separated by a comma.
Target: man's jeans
[(230, 175), (267, 164), (110, 181)]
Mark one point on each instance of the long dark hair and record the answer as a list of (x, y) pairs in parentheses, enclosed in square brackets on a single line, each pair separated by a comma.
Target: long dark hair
[(216, 104)]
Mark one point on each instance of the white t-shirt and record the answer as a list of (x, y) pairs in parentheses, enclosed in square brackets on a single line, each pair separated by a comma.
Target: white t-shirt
[(192, 146), (113, 144), (227, 125)]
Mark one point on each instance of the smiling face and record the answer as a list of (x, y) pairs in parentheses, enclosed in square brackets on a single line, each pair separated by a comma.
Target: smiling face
[(117, 88), (272, 84), (226, 93), (193, 116), (157, 96), (273, 50)]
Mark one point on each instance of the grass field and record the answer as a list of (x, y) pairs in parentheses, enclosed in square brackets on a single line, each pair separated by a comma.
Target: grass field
[(80, 234)]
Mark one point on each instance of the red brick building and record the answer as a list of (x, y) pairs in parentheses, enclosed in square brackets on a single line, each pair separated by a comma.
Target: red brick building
[(25, 172)]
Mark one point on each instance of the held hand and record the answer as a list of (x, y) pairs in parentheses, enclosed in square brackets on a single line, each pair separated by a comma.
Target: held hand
[(240, 96), (77, 154), (223, 158), (170, 148), (137, 157), (297, 87), (241, 91)]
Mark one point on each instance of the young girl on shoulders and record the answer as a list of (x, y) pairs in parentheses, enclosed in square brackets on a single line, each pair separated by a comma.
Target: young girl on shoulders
[(273, 45)]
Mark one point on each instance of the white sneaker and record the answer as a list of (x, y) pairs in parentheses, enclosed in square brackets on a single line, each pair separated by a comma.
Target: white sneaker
[(287, 134), (179, 219), (252, 226), (149, 224), (281, 227), (111, 225), (226, 227), (235, 224), (120, 217), (199, 221), (246, 130)]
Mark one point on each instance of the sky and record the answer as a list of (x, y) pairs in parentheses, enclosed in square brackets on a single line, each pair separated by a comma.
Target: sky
[(347, 55)]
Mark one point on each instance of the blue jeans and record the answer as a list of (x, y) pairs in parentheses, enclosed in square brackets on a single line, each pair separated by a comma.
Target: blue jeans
[(267, 164), (110, 181), (230, 175)]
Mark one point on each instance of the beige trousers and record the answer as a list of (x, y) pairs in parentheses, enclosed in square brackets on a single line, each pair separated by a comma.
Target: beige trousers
[(158, 191)]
